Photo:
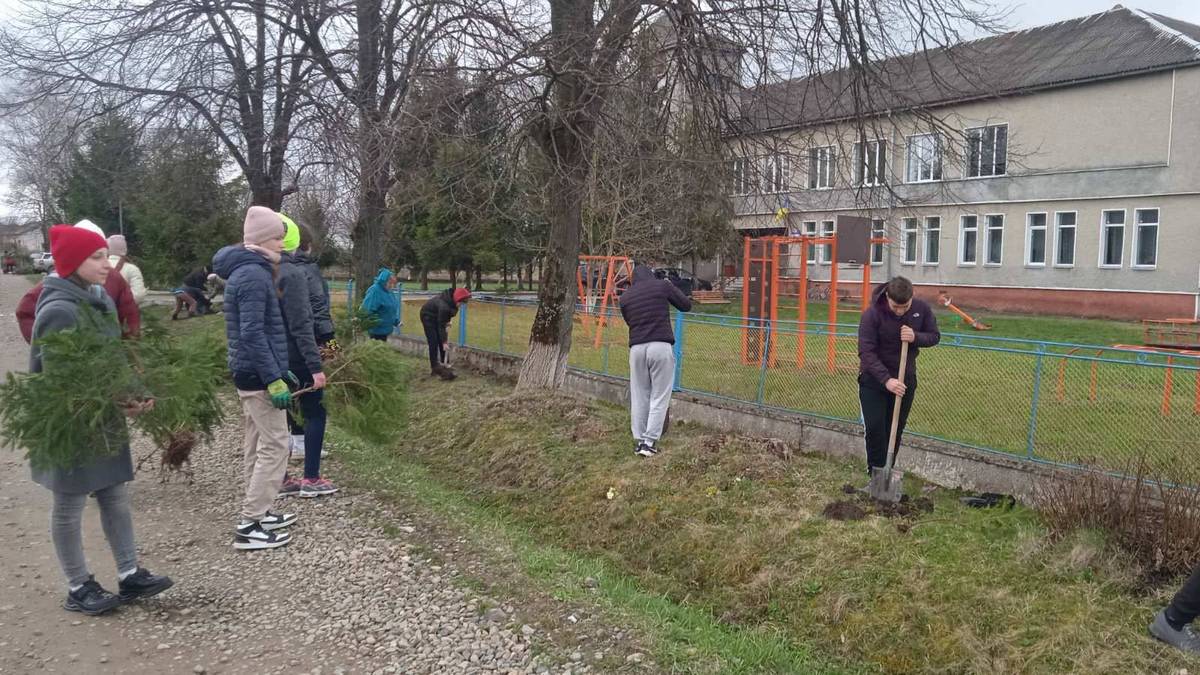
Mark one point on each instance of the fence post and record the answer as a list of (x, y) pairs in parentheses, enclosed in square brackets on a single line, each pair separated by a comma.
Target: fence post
[(678, 351), (462, 325), (399, 293), (502, 305), (350, 295), (766, 351), (1033, 411)]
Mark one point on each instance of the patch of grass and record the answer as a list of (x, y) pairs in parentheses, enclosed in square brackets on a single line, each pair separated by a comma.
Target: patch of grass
[(685, 638), (728, 528)]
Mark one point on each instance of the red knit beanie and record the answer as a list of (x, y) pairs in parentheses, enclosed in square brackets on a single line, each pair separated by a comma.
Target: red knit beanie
[(70, 246), (461, 295)]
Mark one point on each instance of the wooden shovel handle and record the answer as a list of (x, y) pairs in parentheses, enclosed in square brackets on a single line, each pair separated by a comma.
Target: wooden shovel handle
[(899, 402)]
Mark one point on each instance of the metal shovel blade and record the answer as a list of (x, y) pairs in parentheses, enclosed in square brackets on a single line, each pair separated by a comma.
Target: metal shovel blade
[(886, 488)]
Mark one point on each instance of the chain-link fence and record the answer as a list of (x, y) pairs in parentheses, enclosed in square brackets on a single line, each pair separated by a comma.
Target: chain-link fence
[(1042, 401)]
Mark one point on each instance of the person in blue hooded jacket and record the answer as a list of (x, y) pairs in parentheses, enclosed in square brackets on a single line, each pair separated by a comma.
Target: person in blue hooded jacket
[(381, 305), (258, 361)]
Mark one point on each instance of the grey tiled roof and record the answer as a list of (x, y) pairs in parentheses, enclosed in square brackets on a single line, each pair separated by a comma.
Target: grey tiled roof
[(1111, 44)]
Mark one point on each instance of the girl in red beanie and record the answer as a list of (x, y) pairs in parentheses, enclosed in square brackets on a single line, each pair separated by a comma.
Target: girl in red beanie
[(81, 260)]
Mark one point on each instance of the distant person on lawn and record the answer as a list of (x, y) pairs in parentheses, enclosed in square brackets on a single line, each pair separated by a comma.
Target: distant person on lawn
[(436, 314), (381, 305), (258, 360), (81, 260), (894, 316), (646, 307), (118, 257)]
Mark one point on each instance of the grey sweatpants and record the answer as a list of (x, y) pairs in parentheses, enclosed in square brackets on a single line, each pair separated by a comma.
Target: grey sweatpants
[(651, 378), (67, 533)]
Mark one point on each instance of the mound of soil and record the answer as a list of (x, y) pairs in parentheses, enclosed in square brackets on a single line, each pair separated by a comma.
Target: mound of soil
[(843, 510), (863, 505)]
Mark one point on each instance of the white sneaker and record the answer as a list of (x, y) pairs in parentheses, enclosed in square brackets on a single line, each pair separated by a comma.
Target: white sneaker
[(297, 445)]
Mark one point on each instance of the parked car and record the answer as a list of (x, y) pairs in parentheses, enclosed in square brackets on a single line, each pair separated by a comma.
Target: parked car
[(42, 262), (683, 280)]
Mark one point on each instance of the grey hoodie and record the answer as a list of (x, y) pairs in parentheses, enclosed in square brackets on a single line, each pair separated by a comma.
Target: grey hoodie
[(58, 309)]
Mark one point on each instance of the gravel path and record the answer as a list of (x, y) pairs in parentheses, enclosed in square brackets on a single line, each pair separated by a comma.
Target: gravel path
[(342, 598)]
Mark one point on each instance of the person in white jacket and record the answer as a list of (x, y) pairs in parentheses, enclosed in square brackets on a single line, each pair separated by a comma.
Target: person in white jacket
[(118, 249)]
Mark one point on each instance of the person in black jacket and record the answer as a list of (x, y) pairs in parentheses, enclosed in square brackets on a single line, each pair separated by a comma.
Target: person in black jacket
[(894, 317), (194, 284), (436, 314), (646, 307)]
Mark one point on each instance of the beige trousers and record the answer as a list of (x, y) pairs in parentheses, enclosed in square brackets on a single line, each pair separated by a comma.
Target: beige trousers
[(264, 452)]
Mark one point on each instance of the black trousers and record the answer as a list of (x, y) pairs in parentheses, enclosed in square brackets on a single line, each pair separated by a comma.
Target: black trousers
[(1186, 605), (433, 336), (877, 406)]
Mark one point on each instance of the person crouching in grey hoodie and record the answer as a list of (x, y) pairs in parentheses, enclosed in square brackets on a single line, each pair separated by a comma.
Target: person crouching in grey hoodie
[(646, 307)]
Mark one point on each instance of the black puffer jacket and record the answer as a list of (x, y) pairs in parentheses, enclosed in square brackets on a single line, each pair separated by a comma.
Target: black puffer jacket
[(438, 311), (646, 307)]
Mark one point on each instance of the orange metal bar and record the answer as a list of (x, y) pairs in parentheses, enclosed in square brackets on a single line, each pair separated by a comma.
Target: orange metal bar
[(866, 286), (746, 302), (1168, 385), (608, 289), (802, 307), (585, 320), (774, 315)]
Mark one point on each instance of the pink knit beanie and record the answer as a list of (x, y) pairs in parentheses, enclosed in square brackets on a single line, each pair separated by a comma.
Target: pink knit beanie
[(262, 225)]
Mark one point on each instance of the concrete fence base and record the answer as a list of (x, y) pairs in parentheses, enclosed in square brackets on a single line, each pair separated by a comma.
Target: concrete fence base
[(945, 464)]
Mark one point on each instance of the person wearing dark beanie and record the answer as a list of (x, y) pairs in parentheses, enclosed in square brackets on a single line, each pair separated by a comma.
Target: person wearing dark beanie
[(75, 300)]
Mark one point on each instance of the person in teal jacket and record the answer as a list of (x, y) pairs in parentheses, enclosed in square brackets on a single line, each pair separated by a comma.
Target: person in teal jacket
[(381, 305)]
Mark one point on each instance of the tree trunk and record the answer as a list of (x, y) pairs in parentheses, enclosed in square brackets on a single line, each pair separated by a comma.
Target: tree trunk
[(478, 279), (424, 279)]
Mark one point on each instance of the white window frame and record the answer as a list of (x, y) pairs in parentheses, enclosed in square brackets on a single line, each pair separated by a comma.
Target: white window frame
[(809, 227), (935, 165), (825, 251), (878, 231), (1137, 236), (1045, 228), (967, 155), (1058, 228), (987, 247), (861, 164), (1104, 238), (962, 240), (926, 230), (815, 173), (904, 248), (777, 173), (741, 181)]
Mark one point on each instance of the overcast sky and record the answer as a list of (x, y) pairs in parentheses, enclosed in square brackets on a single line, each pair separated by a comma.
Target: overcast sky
[(1038, 13)]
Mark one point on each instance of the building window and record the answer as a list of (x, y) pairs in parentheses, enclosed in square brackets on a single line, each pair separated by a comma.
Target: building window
[(933, 240), (1145, 239), (742, 179), (1112, 238), (777, 173), (1035, 239), (810, 230), (870, 163), (968, 239), (826, 252), (995, 239), (987, 151), (820, 167), (909, 241), (1064, 239), (924, 158), (878, 231)]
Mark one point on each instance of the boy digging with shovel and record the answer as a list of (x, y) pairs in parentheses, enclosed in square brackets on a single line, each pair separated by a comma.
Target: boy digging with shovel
[(895, 323)]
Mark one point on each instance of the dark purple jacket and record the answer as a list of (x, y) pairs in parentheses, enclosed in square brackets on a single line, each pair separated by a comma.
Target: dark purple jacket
[(879, 338), (645, 305)]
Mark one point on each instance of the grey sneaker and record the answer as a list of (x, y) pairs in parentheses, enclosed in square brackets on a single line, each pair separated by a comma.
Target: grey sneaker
[(1184, 640)]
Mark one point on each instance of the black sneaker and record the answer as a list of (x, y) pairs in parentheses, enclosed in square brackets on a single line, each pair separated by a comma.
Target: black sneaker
[(91, 599), (142, 584), (251, 537), (275, 521), (646, 450)]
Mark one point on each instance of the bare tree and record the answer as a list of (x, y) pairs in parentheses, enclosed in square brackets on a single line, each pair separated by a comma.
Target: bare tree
[(38, 147), (232, 65)]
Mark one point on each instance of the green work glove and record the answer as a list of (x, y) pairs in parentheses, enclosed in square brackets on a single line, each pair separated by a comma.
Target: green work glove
[(281, 397)]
